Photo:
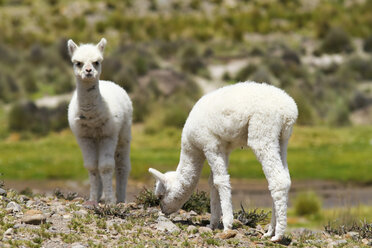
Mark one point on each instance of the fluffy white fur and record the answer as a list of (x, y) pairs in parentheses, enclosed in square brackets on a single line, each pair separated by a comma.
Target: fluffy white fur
[(100, 116), (258, 115)]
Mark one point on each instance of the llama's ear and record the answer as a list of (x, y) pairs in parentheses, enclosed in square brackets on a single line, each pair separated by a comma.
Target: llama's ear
[(71, 46), (101, 45), (157, 174)]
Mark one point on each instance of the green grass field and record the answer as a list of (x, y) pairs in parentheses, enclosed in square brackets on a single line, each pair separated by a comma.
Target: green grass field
[(342, 154)]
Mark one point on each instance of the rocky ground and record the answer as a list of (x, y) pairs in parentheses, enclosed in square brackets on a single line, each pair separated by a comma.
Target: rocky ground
[(67, 221)]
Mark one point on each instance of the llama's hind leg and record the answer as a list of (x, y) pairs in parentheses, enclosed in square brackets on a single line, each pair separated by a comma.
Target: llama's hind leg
[(122, 169), (264, 141), (215, 204), (89, 150), (221, 180)]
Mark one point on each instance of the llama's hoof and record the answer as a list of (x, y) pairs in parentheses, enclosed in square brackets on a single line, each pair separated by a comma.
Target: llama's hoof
[(276, 238), (268, 234)]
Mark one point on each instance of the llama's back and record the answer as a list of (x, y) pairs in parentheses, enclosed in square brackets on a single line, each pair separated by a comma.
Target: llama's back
[(227, 111)]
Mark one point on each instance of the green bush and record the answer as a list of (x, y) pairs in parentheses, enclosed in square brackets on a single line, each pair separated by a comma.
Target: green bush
[(198, 202), (367, 44), (336, 41), (307, 203), (245, 73), (25, 116)]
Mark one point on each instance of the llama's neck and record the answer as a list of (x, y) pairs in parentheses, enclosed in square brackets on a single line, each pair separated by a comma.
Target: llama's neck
[(189, 170), (88, 95)]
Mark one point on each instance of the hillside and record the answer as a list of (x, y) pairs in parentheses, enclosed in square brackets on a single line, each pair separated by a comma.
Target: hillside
[(168, 53)]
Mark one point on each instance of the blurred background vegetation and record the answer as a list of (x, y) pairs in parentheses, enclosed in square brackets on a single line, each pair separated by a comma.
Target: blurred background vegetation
[(168, 53)]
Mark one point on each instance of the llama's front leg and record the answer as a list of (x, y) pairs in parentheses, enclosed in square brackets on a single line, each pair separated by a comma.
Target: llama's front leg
[(106, 165), (122, 170), (271, 230), (89, 150), (221, 180), (215, 204)]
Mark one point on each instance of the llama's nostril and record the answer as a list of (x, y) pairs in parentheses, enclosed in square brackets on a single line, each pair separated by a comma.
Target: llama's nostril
[(88, 70)]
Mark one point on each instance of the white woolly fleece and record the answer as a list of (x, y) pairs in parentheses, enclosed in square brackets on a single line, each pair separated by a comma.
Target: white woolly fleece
[(254, 114), (100, 116)]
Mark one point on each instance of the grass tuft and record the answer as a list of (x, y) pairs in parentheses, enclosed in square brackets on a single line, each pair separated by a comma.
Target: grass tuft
[(198, 202), (108, 210), (147, 198), (363, 228), (251, 218), (70, 195)]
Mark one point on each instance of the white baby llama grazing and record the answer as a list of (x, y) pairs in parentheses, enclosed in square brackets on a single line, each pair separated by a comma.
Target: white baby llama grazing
[(100, 116), (258, 115)]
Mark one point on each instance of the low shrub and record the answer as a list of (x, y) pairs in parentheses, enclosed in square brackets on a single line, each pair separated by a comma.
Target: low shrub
[(307, 203), (339, 228), (198, 202), (251, 218), (336, 41), (147, 198)]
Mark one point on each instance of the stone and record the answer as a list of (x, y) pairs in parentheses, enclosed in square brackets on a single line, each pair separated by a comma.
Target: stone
[(77, 245), (18, 225), (352, 235), (81, 212), (165, 224), (2, 192), (34, 217), (205, 229), (9, 232), (177, 218), (24, 198), (193, 213), (227, 234), (192, 229), (13, 207)]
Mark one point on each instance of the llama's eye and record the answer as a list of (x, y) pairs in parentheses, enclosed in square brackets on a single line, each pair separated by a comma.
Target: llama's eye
[(79, 64), (96, 63)]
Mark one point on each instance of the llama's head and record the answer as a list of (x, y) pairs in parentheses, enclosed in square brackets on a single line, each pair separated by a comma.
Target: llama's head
[(87, 59), (167, 189)]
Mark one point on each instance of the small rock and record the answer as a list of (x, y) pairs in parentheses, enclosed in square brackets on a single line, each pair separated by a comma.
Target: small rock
[(67, 216), (13, 207), (352, 235), (16, 226), (30, 203), (237, 223), (340, 242), (177, 218), (227, 234), (24, 198), (205, 229), (34, 217), (182, 211), (2, 192), (81, 212), (9, 232), (165, 224), (78, 199), (77, 245), (193, 213), (192, 229), (367, 242)]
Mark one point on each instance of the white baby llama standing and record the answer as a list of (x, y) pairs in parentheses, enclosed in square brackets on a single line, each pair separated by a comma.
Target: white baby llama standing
[(258, 115), (100, 116)]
